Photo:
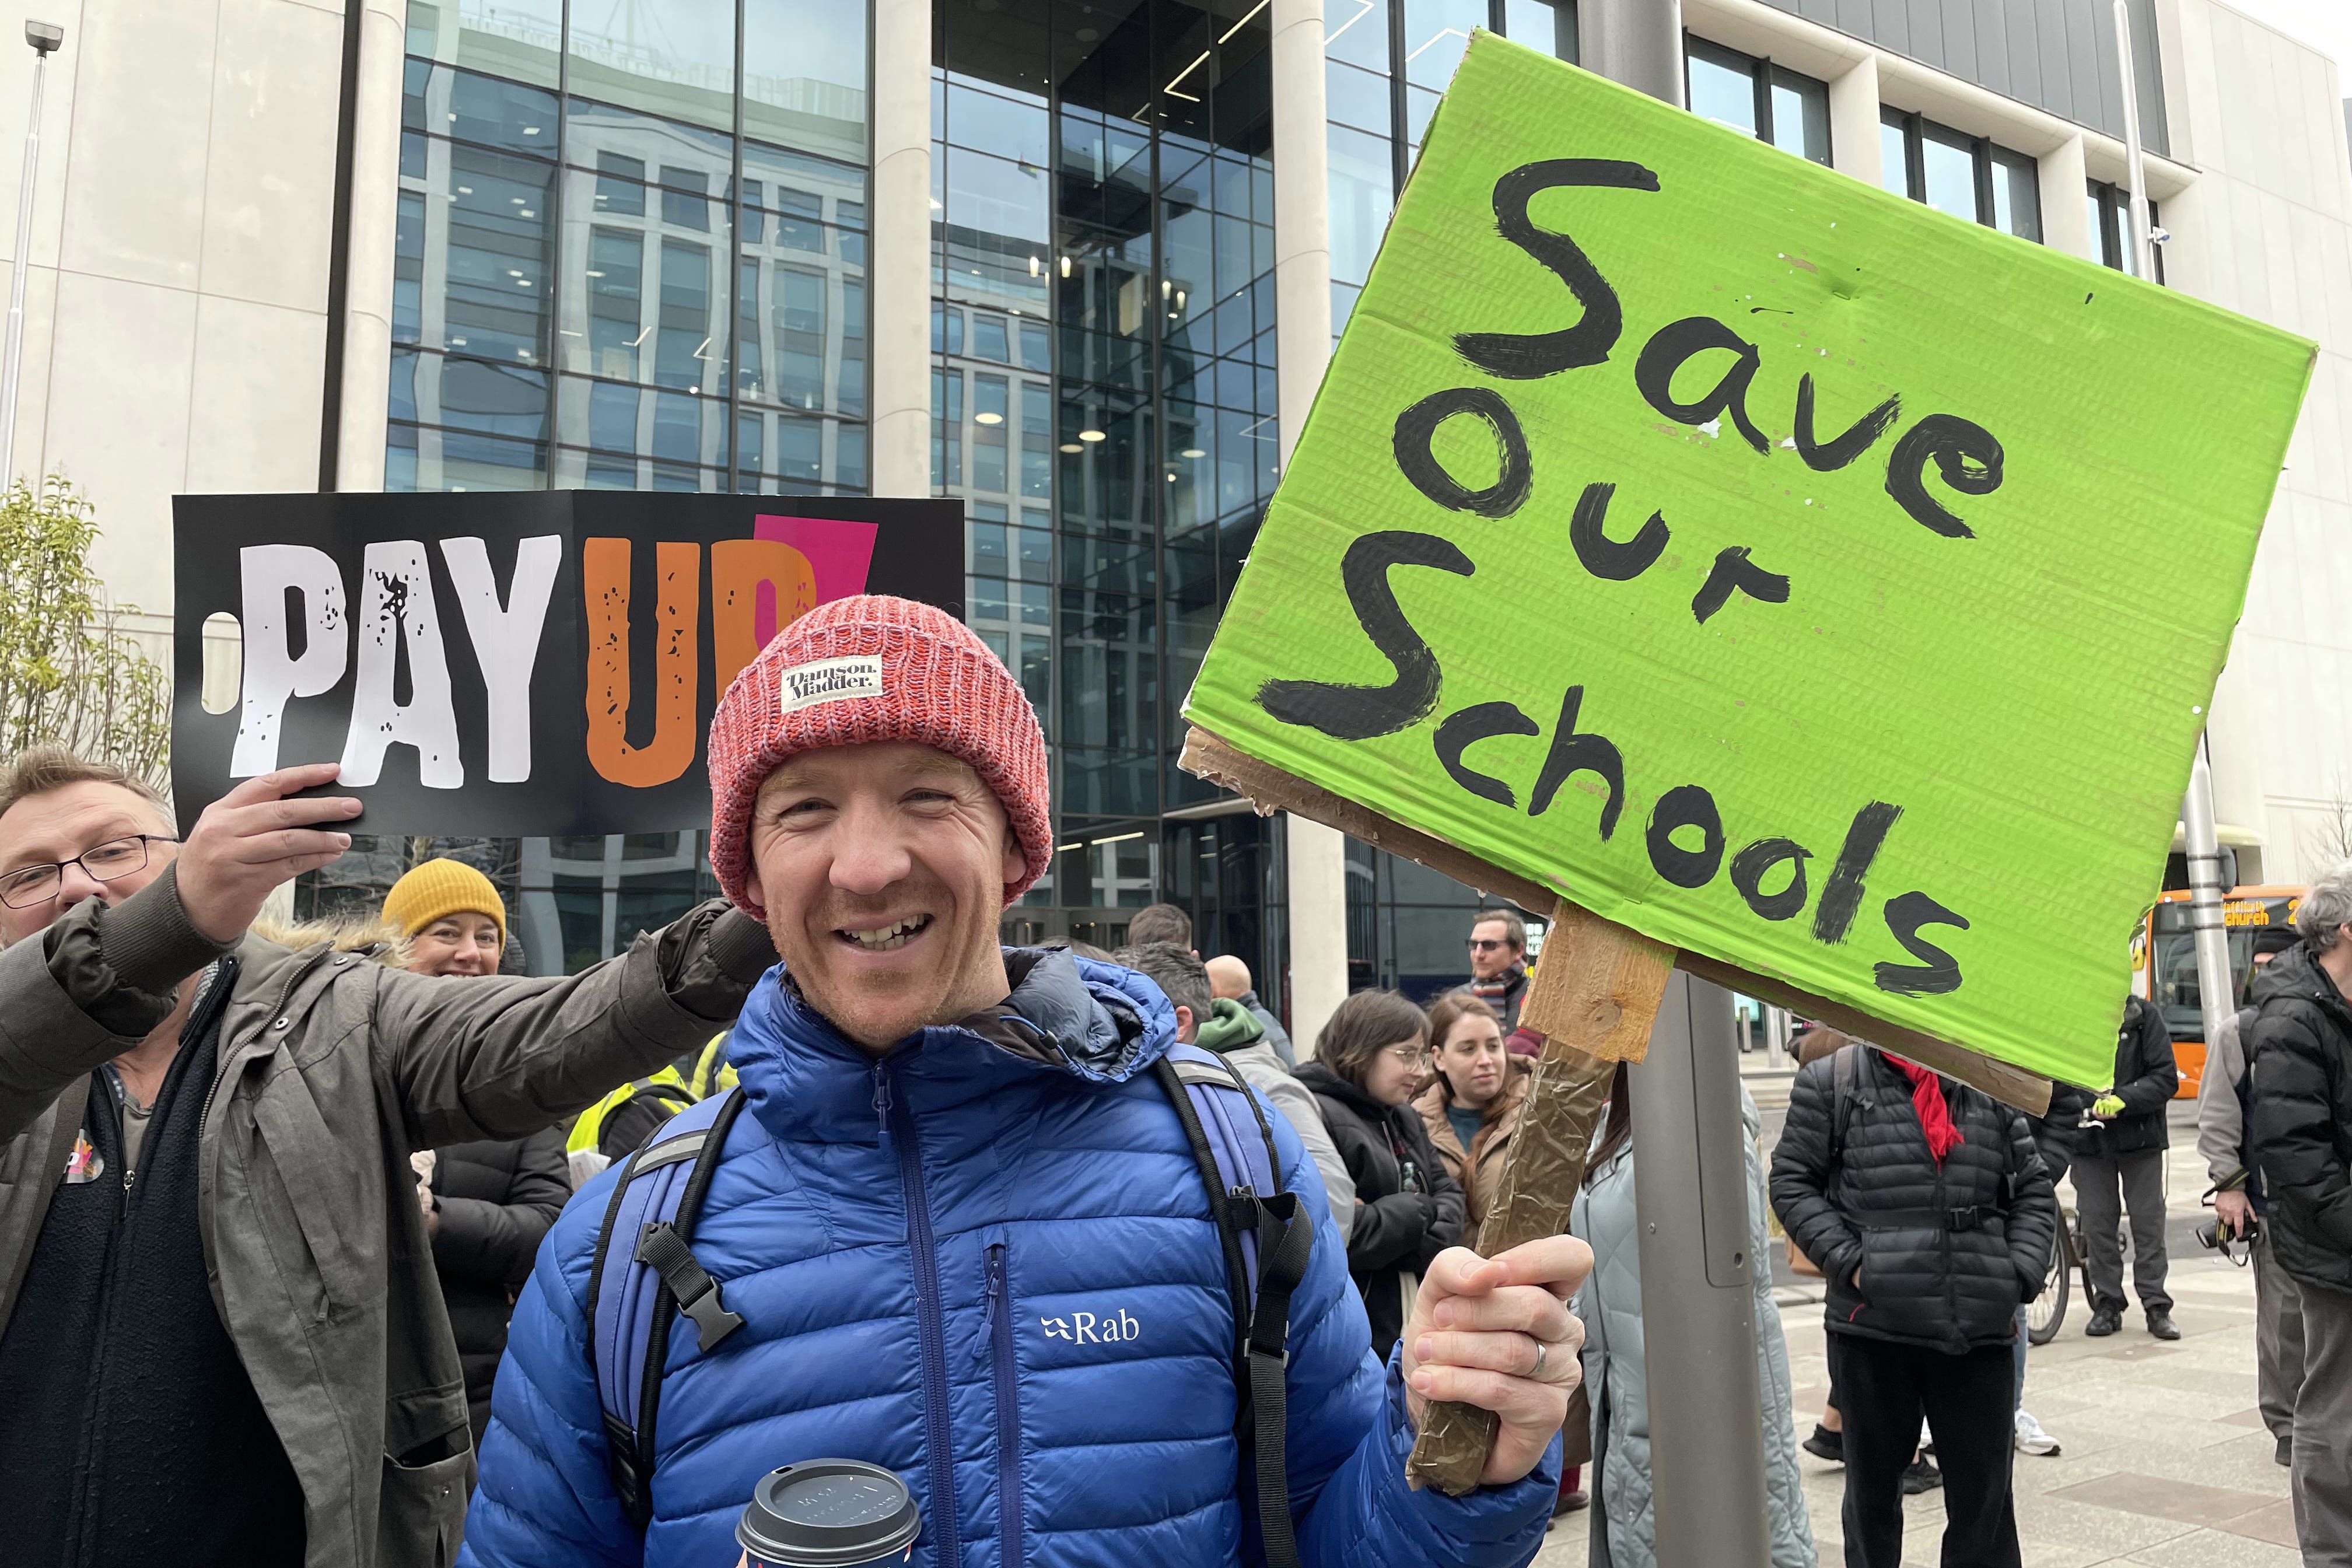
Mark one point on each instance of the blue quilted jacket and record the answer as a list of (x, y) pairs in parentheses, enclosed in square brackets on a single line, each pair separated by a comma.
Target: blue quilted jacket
[(986, 1262)]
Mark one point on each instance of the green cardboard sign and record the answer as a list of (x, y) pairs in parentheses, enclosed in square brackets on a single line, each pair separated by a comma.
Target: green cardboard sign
[(1778, 567)]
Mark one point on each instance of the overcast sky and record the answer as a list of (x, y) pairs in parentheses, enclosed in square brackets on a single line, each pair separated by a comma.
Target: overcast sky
[(2325, 24)]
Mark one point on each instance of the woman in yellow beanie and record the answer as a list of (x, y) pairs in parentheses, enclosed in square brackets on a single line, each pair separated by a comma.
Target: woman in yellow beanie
[(487, 1205), (454, 918)]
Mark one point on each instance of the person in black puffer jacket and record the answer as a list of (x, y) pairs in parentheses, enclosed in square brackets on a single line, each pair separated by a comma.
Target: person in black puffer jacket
[(2300, 1056), (2119, 1168), (1928, 1209), (497, 1202), (1371, 1059), (487, 1205)]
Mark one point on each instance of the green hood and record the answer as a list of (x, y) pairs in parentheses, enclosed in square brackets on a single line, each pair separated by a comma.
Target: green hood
[(1228, 1027)]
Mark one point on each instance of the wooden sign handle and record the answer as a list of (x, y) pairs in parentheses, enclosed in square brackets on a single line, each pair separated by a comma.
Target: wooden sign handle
[(1595, 995)]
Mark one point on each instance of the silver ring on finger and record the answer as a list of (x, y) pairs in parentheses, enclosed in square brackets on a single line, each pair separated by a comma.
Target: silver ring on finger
[(1540, 1350)]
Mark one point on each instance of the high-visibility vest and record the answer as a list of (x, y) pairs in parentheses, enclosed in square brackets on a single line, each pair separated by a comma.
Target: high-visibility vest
[(706, 1073)]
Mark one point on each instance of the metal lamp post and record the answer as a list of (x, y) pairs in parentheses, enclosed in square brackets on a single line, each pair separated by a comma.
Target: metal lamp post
[(1706, 1423), (44, 38)]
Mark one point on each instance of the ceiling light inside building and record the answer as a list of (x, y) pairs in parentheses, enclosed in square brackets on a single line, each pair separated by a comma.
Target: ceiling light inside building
[(1191, 452), (1072, 447), (1035, 267), (988, 418), (1092, 436), (1065, 267)]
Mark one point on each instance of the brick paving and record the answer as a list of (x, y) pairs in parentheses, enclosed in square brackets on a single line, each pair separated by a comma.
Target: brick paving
[(2164, 1462)]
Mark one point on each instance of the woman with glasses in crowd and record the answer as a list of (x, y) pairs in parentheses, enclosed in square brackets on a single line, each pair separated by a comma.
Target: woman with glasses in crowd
[(1372, 1058)]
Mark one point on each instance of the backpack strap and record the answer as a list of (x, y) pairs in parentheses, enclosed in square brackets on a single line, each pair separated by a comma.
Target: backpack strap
[(636, 1289), (1846, 1072), (1267, 1239)]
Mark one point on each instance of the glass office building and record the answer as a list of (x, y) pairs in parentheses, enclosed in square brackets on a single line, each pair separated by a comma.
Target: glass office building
[(631, 252)]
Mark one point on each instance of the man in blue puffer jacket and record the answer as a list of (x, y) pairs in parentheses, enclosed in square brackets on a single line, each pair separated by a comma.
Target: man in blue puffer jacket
[(961, 1222)]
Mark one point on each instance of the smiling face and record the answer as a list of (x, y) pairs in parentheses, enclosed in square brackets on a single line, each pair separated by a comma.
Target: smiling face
[(462, 943), (883, 869), (1473, 1059), (44, 829)]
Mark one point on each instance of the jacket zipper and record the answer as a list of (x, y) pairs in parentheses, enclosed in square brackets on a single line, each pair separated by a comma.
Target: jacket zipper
[(1010, 1550), (899, 1122)]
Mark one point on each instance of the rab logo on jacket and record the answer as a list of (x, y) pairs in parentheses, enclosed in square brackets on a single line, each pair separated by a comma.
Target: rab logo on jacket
[(1085, 1329)]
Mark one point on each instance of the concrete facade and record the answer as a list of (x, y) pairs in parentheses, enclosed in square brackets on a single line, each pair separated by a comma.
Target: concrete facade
[(175, 312), (2265, 229)]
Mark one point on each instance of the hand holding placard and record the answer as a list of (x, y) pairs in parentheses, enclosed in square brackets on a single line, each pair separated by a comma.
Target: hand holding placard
[(253, 838), (1851, 703)]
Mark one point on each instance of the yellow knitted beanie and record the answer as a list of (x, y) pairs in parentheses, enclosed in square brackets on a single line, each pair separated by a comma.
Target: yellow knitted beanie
[(439, 888)]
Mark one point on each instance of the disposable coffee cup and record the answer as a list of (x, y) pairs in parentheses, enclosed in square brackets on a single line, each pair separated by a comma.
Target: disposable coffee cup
[(829, 1513)]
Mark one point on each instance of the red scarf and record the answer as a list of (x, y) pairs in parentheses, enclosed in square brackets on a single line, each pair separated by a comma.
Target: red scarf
[(1928, 1099)]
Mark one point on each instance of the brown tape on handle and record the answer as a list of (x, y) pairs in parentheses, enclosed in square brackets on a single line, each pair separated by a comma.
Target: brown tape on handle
[(1600, 985)]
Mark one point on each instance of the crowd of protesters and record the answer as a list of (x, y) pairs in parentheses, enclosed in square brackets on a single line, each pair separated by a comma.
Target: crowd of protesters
[(291, 1270)]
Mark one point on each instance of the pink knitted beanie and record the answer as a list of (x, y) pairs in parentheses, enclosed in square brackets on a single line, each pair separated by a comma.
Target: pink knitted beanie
[(868, 669)]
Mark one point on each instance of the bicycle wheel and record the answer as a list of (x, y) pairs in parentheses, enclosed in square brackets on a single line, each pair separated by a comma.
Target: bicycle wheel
[(2046, 1312)]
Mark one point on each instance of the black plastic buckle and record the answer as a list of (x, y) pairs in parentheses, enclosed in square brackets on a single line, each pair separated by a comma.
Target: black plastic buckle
[(712, 1321)]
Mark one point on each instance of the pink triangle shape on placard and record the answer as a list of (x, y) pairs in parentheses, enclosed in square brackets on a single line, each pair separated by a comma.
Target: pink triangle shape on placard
[(839, 550)]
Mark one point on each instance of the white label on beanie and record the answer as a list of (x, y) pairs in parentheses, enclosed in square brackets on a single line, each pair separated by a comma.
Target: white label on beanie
[(830, 681)]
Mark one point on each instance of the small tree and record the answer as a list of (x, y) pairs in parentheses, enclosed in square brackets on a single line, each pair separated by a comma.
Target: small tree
[(70, 672), (2328, 837)]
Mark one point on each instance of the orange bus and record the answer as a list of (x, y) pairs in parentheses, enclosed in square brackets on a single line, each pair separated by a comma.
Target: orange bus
[(2163, 963)]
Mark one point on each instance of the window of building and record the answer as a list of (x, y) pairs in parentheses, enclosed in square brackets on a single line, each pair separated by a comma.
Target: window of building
[(685, 198), (1377, 112), (748, 428), (2111, 240), (747, 357), (989, 408), (520, 241), (680, 344), (1971, 177), (1768, 101), (800, 221), (800, 338), (620, 185)]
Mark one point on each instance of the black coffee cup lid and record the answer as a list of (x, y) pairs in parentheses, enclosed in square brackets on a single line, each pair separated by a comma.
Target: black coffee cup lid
[(829, 1513)]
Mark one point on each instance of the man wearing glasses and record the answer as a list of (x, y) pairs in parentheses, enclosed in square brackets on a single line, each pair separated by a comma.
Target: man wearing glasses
[(221, 1336), (1498, 964)]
